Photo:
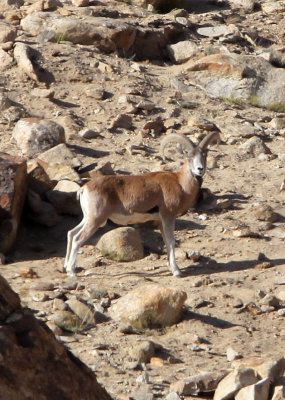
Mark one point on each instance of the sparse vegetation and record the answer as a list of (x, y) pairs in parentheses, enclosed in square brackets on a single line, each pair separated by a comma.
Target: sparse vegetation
[(61, 37), (277, 107)]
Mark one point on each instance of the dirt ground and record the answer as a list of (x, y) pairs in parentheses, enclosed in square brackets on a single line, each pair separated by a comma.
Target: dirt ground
[(232, 271)]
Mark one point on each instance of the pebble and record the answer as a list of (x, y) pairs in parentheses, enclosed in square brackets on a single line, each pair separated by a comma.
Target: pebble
[(281, 312)]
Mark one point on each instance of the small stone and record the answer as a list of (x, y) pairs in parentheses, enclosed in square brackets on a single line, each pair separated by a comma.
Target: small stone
[(89, 134), (28, 273), (270, 300), (193, 255), (265, 213), (40, 297), (122, 121), (156, 361), (281, 312), (172, 396), (42, 286), (143, 352), (232, 354), (143, 378), (43, 93)]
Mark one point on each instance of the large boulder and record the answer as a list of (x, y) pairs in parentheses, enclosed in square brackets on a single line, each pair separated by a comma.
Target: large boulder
[(35, 135), (149, 306), (13, 186), (239, 78), (34, 365), (121, 244)]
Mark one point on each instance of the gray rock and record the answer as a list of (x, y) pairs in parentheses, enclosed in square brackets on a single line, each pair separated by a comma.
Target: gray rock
[(229, 76), (213, 31), (35, 135)]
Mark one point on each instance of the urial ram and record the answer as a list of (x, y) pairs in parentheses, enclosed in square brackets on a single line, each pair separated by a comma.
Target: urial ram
[(131, 199)]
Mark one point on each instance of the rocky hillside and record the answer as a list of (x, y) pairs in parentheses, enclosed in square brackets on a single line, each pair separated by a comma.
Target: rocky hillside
[(90, 88)]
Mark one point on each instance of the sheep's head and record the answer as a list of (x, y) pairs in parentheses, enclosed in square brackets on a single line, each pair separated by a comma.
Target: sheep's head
[(196, 155)]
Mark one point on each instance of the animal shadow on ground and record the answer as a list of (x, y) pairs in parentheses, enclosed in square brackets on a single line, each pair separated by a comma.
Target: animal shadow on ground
[(209, 266)]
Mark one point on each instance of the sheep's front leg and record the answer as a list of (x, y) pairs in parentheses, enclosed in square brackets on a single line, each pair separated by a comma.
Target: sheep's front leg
[(167, 230)]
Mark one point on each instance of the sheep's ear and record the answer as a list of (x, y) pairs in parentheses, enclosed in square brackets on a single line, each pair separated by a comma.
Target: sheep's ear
[(210, 138), (186, 145)]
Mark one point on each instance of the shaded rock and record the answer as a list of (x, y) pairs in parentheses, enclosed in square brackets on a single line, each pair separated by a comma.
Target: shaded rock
[(149, 306), (38, 365), (38, 179), (64, 197), (234, 381), (258, 391), (41, 212), (121, 244), (201, 383), (13, 186), (35, 135), (182, 51), (82, 311)]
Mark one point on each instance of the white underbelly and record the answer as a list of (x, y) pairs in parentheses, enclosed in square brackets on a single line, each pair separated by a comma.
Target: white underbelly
[(135, 218)]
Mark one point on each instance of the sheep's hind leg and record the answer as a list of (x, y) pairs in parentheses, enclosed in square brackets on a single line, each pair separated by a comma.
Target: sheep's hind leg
[(79, 238), (167, 227)]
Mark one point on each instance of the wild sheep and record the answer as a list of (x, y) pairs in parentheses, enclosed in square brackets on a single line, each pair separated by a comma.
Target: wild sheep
[(131, 199)]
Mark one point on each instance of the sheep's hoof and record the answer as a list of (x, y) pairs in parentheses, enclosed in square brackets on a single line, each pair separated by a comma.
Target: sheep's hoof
[(71, 273), (177, 274)]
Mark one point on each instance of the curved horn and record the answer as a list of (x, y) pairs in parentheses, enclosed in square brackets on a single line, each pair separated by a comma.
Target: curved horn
[(177, 138), (210, 138)]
